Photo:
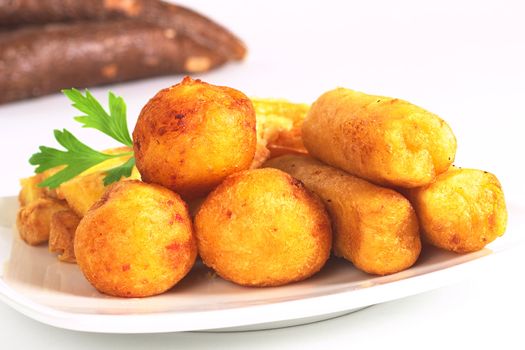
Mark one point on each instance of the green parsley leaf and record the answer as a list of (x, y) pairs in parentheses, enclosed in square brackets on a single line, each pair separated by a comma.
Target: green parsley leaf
[(113, 124), (115, 174), (77, 159)]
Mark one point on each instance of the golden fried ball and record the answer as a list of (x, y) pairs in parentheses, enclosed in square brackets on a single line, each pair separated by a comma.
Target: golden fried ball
[(136, 241), (462, 211), (192, 135), (263, 228)]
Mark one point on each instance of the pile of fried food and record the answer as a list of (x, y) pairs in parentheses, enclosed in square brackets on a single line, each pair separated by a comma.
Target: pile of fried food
[(48, 45), (264, 190)]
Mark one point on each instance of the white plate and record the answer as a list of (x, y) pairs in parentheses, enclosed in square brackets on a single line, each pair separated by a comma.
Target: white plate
[(35, 283)]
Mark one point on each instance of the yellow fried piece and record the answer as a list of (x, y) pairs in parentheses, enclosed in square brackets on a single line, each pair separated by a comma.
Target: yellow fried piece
[(262, 153), (462, 211), (33, 220), (263, 228), (279, 126), (385, 140), (62, 234), (136, 241), (189, 137), (30, 191), (374, 227), (87, 188)]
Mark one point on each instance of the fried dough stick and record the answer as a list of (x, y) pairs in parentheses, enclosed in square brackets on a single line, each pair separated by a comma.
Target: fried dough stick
[(169, 16), (385, 140), (38, 61), (462, 211)]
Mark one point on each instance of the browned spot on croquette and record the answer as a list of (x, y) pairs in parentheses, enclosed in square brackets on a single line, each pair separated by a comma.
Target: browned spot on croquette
[(126, 267), (176, 218), (295, 182), (492, 220), (175, 246), (101, 201), (162, 130)]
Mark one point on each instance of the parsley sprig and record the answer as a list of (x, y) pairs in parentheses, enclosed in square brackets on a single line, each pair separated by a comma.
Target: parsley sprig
[(113, 124), (78, 157)]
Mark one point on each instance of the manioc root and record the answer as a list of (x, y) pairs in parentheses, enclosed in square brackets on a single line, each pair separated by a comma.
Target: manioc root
[(169, 16), (35, 61)]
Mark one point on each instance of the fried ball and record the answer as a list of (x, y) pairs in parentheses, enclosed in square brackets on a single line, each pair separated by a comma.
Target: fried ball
[(374, 227), (62, 234), (462, 211), (34, 219), (384, 140), (192, 135), (136, 241), (262, 227)]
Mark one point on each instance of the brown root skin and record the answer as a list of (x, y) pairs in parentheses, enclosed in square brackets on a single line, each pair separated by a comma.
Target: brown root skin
[(182, 20), (201, 29), (20, 13), (41, 60)]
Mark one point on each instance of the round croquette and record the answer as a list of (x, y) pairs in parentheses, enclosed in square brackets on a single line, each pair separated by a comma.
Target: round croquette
[(191, 136), (263, 228), (136, 241)]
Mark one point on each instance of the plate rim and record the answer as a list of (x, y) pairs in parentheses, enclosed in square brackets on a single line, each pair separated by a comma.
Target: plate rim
[(164, 322), (252, 315)]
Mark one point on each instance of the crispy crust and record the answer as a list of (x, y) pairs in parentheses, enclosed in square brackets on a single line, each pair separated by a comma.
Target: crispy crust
[(263, 228), (62, 235), (192, 135), (33, 220), (385, 140), (462, 211), (136, 241)]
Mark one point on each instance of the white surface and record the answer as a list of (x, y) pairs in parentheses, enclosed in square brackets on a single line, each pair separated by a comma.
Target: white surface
[(33, 282), (462, 60)]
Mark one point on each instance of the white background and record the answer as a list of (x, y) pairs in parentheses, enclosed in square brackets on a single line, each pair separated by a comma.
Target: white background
[(464, 60)]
